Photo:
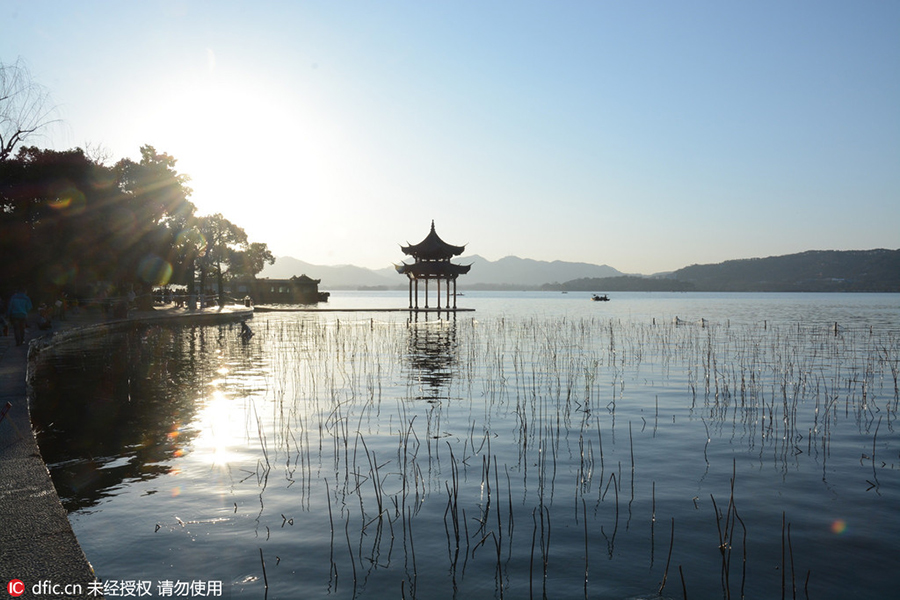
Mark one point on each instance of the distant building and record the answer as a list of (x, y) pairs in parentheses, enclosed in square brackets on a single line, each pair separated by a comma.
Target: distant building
[(296, 290), (432, 262)]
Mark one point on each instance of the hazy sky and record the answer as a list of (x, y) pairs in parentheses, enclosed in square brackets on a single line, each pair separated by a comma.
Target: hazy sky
[(643, 135)]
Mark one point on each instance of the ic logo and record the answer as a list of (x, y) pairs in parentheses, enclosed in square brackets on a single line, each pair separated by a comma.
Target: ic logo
[(15, 588)]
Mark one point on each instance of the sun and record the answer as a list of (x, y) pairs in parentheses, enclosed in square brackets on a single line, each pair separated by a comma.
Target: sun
[(272, 152), (248, 144), (207, 122)]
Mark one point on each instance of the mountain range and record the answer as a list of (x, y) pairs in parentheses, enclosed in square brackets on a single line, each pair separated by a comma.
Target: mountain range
[(816, 270), (511, 271)]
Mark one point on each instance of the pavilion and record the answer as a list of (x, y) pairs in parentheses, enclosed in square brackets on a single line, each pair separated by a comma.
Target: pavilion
[(432, 261)]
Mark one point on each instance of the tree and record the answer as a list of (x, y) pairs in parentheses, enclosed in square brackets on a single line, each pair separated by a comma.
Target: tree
[(68, 222), (54, 217), (25, 107), (157, 190), (249, 262), (188, 244), (154, 212), (222, 238)]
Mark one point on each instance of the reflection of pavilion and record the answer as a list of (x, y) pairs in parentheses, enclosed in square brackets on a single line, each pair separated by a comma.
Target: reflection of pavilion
[(432, 357), (432, 261)]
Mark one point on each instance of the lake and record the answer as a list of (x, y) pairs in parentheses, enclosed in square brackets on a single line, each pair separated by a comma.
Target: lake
[(543, 446)]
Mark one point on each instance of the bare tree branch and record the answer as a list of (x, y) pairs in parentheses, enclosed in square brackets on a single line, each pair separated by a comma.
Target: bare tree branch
[(25, 106)]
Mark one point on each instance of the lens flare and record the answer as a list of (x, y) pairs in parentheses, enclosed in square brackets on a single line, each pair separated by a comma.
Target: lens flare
[(839, 526), (191, 238), (154, 270), (60, 203), (69, 199)]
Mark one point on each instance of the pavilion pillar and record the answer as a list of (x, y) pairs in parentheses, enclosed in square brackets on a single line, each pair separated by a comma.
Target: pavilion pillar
[(426, 292), (454, 293), (410, 292), (417, 293), (439, 293)]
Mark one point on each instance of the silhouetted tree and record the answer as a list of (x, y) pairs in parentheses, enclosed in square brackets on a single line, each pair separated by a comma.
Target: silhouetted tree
[(52, 209), (154, 211), (188, 244), (222, 238), (249, 262), (69, 222), (156, 190)]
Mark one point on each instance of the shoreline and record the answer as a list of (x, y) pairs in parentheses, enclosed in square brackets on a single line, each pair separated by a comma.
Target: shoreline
[(39, 544)]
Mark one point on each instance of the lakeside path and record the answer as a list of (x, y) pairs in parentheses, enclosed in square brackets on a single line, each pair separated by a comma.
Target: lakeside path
[(37, 545)]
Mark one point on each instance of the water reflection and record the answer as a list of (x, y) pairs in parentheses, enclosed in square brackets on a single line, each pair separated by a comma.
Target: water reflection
[(362, 456), (432, 356), (116, 408)]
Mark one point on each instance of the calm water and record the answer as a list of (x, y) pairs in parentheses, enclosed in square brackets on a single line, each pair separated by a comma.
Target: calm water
[(542, 446)]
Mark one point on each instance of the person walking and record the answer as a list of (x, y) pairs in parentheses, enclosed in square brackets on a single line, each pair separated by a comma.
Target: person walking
[(17, 311)]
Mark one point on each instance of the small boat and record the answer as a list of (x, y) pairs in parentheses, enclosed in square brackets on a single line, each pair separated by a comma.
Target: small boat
[(603, 298)]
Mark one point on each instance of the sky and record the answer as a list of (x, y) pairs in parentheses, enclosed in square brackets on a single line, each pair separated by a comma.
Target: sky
[(643, 135)]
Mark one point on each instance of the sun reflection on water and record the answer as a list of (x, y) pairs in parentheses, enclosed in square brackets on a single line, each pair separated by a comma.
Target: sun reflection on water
[(278, 440), (222, 434)]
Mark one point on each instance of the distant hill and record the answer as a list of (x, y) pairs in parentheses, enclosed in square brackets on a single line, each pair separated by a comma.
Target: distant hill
[(333, 277), (624, 283), (813, 271), (515, 271), (508, 272)]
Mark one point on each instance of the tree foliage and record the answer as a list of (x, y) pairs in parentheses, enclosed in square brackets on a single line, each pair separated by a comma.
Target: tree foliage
[(70, 223), (221, 237), (249, 262)]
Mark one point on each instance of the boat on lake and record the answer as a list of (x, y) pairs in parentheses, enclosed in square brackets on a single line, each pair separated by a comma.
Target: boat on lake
[(603, 298)]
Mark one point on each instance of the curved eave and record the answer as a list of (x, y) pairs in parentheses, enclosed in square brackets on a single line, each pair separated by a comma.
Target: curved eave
[(432, 269), (432, 248)]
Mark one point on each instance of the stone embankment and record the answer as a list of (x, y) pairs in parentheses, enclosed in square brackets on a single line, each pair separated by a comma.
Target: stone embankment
[(38, 549)]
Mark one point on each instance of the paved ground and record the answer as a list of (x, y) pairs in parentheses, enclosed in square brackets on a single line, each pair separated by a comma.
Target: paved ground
[(36, 541)]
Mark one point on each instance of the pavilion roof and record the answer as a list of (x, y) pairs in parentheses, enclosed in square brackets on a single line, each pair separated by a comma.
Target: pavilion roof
[(432, 268), (432, 248)]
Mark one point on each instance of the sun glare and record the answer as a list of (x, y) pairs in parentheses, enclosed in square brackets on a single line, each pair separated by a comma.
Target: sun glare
[(245, 144), (271, 155), (221, 430)]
